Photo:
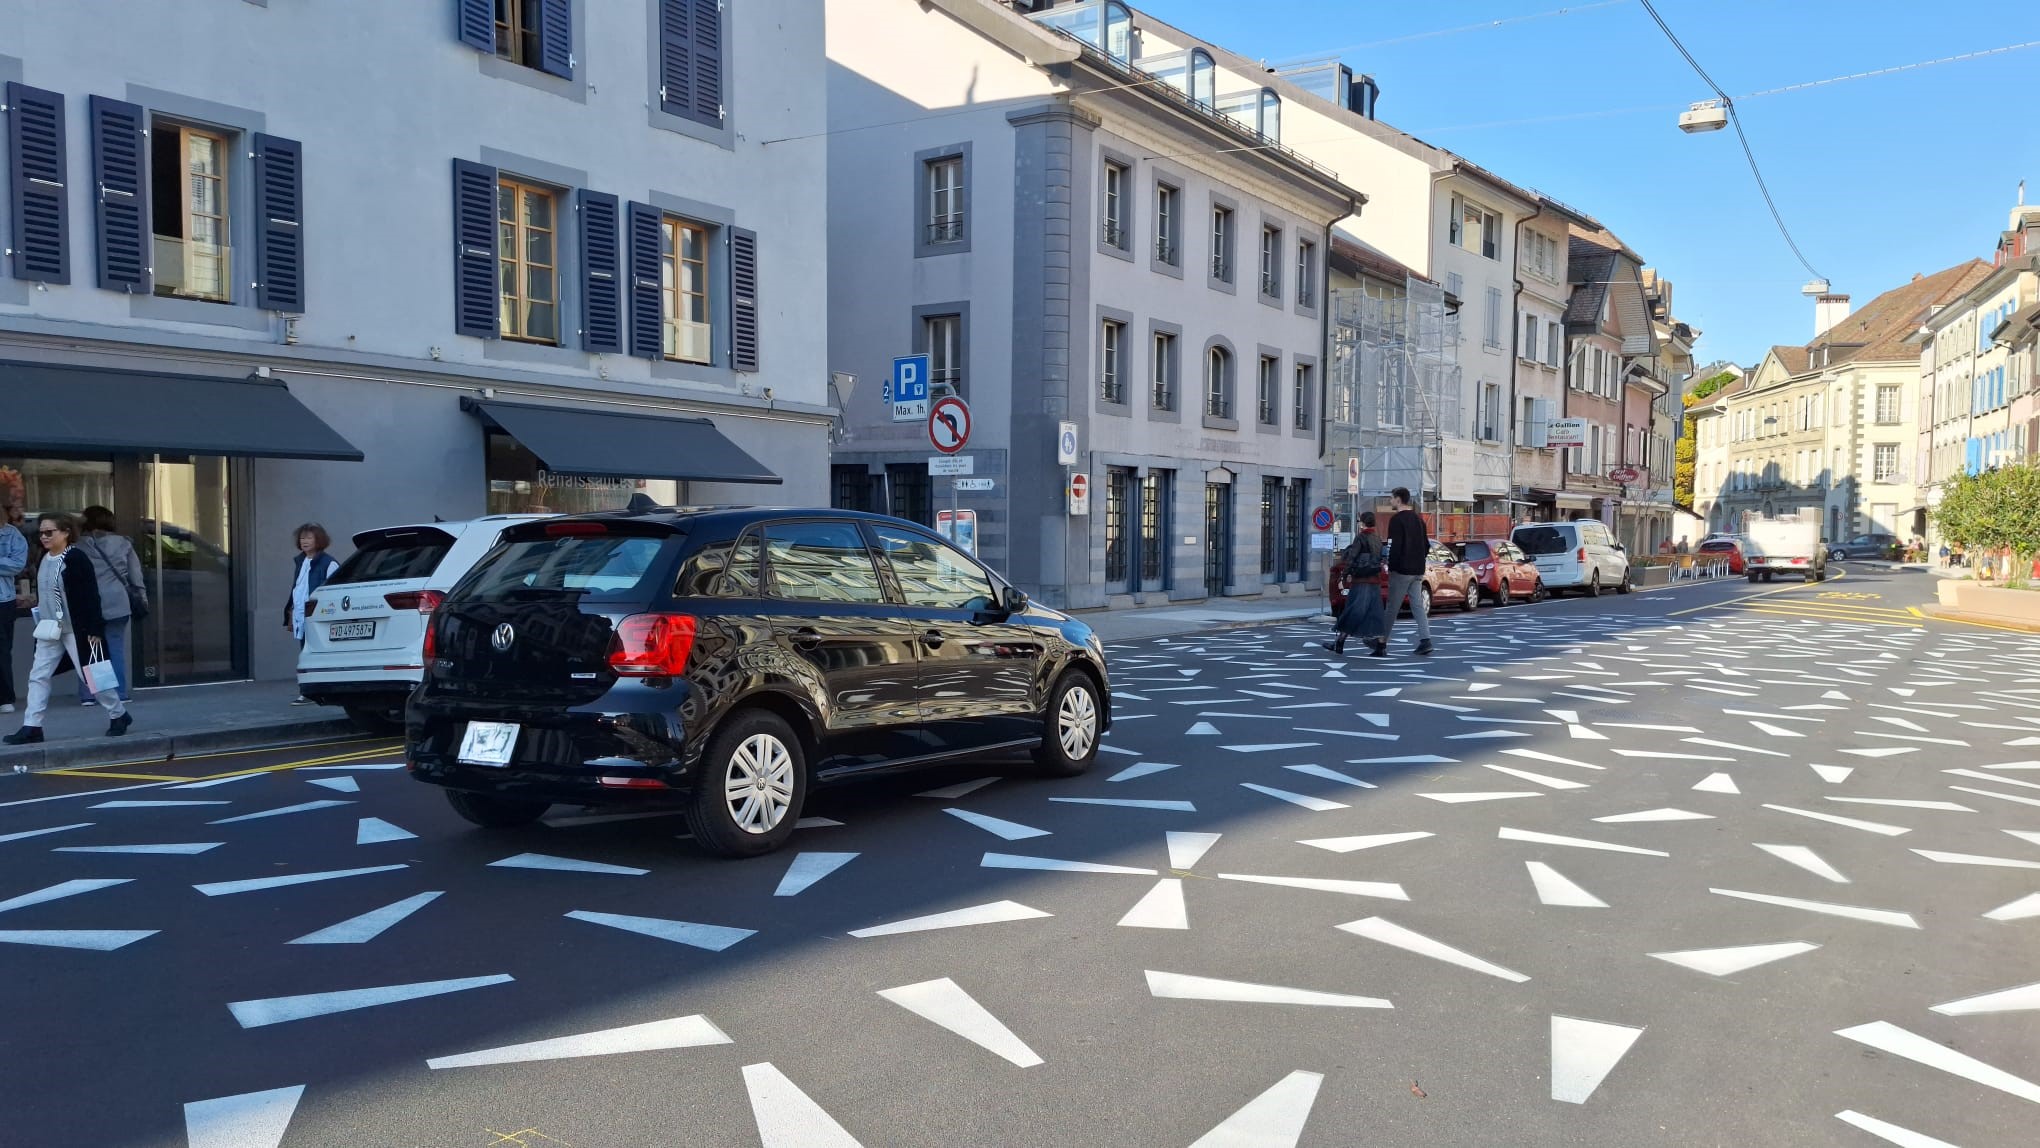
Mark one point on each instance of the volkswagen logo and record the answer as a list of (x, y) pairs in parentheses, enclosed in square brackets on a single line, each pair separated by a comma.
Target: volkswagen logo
[(504, 635)]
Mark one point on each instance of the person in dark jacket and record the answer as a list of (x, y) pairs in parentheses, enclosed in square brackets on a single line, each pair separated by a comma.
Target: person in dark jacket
[(1360, 565), (309, 571), (123, 595), (1409, 548), (68, 623)]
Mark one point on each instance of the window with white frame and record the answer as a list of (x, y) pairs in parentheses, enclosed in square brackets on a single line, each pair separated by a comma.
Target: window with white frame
[(1111, 385), (1162, 377), (1494, 317), (1488, 419), (1885, 463), (1300, 399), (942, 337), (1221, 243), (1474, 228), (1115, 234), (1271, 262), (1218, 383), (1168, 224), (945, 199), (1528, 349), (1267, 390), (1306, 273), (1554, 344)]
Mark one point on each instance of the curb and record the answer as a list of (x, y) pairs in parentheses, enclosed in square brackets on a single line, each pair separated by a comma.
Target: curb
[(1940, 614), (141, 749)]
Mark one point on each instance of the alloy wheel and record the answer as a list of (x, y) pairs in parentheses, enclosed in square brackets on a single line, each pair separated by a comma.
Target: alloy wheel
[(1076, 723), (758, 784)]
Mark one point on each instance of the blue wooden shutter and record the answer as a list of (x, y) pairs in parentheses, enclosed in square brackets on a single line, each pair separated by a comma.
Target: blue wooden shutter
[(35, 177), (477, 20), (121, 195), (647, 334), (708, 61), (743, 300), (475, 296), (556, 37), (676, 57), (601, 274), (279, 224)]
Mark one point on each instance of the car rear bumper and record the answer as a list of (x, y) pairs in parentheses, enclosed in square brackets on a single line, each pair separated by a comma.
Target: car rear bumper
[(578, 756)]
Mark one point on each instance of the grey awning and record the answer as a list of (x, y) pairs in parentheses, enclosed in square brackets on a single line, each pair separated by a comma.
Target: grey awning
[(91, 410), (622, 444)]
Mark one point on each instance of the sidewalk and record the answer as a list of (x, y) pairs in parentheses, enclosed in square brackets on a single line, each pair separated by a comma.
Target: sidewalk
[(176, 721), (1187, 618)]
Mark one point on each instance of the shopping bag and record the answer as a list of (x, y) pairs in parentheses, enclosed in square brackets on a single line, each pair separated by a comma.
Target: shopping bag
[(99, 673)]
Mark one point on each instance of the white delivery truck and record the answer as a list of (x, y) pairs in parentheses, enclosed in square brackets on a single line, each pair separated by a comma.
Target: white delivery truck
[(1784, 546)]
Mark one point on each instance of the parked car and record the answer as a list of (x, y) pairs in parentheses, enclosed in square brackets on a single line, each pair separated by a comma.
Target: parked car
[(1579, 555), (365, 627), (1723, 548), (722, 661), (1447, 582), (1501, 571), (1882, 546)]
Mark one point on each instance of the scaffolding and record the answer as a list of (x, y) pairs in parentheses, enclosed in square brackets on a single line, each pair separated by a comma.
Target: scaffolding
[(1395, 390)]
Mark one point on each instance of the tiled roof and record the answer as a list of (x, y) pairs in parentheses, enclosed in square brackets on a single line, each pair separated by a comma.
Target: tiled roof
[(1794, 359), (1876, 333), (1590, 266), (1360, 257)]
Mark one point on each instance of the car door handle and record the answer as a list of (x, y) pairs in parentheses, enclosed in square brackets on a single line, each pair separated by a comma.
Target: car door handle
[(807, 638), (931, 638)]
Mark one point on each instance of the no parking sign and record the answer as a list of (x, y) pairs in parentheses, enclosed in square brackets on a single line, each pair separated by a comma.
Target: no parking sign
[(1321, 518)]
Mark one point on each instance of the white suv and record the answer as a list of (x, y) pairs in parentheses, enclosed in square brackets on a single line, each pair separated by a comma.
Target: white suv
[(1579, 555), (365, 627)]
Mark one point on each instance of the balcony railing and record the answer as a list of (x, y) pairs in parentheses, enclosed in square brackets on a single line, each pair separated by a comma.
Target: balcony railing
[(1269, 286), (1111, 390), (946, 231), (1164, 398), (1220, 269), (1114, 233), (191, 270), (1165, 250)]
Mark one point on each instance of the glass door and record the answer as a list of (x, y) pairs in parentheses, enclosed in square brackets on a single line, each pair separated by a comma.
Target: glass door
[(194, 631), (1217, 538)]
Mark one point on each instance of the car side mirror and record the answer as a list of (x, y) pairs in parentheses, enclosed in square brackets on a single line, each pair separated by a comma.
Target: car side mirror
[(1014, 600), (1621, 549)]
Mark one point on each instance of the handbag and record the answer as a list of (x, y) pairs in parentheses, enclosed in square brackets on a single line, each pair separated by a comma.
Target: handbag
[(48, 630), (99, 673)]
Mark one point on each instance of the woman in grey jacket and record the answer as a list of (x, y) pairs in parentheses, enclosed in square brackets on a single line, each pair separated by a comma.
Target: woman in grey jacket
[(123, 595), (68, 627)]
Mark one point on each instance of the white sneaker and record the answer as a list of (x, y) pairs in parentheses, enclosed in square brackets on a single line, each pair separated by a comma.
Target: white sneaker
[(88, 702), (6, 708)]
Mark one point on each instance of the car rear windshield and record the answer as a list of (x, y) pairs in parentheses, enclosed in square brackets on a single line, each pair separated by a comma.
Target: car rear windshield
[(395, 557), (1473, 551), (599, 567), (1543, 540)]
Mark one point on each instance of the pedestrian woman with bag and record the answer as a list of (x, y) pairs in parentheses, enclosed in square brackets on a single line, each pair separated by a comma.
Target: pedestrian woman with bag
[(123, 596), (309, 571), (1361, 562), (68, 623)]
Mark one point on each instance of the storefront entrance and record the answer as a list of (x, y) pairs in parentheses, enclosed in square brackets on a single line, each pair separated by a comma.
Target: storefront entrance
[(520, 484), (178, 512)]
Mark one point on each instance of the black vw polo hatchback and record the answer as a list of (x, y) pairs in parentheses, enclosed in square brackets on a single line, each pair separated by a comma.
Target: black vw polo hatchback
[(723, 660)]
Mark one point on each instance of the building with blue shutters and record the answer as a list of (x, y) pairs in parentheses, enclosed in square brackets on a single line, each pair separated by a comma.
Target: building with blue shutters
[(268, 262)]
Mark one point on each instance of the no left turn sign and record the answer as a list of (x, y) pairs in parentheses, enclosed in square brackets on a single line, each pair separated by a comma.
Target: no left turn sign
[(949, 424)]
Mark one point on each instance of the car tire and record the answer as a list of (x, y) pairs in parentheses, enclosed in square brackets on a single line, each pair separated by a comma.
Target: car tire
[(751, 787), (377, 721), (1752, 575), (1628, 581), (1471, 600), (492, 812), (1070, 730), (1594, 585), (1502, 595), (1424, 590), (1537, 592)]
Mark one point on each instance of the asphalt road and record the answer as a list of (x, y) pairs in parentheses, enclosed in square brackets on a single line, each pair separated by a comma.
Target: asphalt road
[(1723, 865)]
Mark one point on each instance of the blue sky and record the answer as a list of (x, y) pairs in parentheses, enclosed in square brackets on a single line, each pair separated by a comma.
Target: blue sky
[(1878, 178)]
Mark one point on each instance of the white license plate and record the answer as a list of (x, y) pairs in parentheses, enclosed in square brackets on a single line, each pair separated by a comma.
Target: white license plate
[(349, 631), (488, 742)]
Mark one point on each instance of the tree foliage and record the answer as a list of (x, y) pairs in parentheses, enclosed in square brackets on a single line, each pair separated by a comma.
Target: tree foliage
[(1683, 454), (1996, 510)]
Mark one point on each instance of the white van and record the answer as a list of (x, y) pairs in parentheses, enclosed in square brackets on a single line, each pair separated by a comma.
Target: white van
[(1579, 555), (365, 627)]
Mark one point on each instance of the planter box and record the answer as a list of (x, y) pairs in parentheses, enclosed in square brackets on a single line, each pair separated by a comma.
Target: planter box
[(1651, 576), (1992, 603)]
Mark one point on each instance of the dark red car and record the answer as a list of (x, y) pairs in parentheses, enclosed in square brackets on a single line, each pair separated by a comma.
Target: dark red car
[(1716, 549), (1447, 582), (1502, 572)]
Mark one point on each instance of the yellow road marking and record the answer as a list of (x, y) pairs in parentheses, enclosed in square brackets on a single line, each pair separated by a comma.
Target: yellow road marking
[(330, 759), (1788, 612), (1730, 602), (1915, 611)]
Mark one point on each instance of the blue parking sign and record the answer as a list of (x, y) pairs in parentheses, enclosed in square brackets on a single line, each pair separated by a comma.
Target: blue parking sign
[(907, 389)]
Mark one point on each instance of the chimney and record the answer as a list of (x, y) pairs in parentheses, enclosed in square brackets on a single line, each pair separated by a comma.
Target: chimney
[(1828, 310)]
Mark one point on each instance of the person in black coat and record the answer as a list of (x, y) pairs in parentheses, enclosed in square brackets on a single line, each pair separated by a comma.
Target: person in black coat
[(68, 622)]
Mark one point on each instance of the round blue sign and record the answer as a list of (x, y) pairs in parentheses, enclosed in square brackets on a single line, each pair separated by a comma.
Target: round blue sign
[(1321, 518)]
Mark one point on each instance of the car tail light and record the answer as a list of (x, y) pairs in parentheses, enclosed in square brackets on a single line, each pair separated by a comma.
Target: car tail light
[(1581, 556), (431, 642), (631, 782), (557, 529), (423, 601), (652, 645)]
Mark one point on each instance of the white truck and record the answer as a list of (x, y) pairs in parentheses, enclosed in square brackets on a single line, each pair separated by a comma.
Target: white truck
[(1784, 546)]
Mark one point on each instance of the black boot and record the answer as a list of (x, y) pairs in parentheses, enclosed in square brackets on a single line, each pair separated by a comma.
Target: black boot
[(119, 726), (1380, 649), (1337, 645), (26, 735)]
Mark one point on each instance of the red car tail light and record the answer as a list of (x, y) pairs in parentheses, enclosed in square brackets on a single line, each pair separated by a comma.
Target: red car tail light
[(652, 645), (431, 642), (423, 601), (1581, 556)]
